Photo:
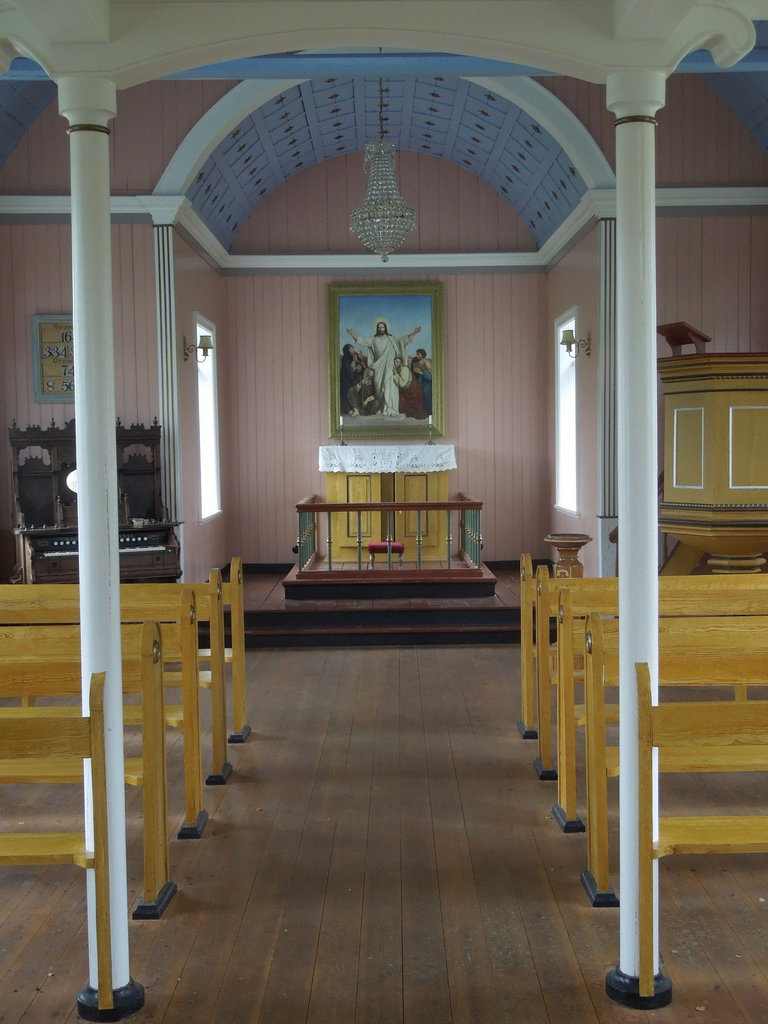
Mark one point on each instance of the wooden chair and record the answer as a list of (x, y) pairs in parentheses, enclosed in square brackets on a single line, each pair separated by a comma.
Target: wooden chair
[(694, 736), (42, 662), (35, 746)]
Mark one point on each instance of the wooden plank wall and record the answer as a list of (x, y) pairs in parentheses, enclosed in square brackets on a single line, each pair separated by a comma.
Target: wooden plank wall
[(455, 211), (36, 277), (277, 389)]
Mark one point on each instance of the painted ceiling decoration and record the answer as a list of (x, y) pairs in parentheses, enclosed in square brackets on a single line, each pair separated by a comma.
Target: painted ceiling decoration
[(434, 105), (449, 118)]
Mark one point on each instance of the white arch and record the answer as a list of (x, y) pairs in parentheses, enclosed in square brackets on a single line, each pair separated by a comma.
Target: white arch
[(561, 123), (213, 126)]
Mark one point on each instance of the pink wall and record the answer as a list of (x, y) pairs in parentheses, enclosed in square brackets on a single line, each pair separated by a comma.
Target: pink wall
[(698, 141), (456, 211), (140, 145), (575, 282), (204, 544), (278, 400), (271, 329), (35, 277)]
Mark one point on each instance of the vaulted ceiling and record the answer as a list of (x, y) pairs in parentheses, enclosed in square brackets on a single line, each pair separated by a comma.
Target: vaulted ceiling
[(438, 104)]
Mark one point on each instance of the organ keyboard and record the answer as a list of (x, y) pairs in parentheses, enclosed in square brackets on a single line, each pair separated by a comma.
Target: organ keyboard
[(146, 553)]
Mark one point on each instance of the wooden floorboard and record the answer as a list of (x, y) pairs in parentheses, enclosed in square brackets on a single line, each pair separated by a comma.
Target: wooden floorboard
[(384, 853)]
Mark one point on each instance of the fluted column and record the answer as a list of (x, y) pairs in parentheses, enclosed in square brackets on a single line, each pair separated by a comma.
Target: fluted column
[(165, 274), (89, 104), (635, 97), (607, 508)]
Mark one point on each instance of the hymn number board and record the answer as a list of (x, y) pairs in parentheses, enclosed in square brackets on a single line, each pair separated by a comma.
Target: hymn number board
[(54, 358)]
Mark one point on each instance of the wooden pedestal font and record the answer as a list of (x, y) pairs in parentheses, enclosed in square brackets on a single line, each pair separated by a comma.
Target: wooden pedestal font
[(568, 547), (715, 497)]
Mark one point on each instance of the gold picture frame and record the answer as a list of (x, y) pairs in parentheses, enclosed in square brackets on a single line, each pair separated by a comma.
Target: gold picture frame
[(386, 360)]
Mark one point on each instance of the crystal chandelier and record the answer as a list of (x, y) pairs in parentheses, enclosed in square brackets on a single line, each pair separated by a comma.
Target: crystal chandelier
[(384, 220)]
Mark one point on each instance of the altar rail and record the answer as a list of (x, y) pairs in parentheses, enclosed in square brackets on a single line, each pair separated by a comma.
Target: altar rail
[(469, 519)]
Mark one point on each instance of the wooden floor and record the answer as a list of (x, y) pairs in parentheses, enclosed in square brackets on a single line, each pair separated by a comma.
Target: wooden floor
[(384, 852)]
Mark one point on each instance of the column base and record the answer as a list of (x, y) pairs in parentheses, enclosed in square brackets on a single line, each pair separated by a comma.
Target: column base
[(126, 1000), (622, 988)]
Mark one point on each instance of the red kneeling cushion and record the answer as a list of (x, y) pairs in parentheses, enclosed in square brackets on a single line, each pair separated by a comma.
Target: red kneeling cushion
[(379, 547)]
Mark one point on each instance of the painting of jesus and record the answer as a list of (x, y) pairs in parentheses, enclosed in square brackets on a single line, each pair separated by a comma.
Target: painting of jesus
[(385, 360)]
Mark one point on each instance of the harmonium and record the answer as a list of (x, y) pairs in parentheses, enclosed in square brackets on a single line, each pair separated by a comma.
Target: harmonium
[(45, 505)]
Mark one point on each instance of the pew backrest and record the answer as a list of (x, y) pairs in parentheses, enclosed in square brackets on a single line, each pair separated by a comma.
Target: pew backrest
[(63, 736)]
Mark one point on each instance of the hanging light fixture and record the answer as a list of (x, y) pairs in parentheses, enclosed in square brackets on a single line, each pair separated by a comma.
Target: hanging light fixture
[(384, 220)]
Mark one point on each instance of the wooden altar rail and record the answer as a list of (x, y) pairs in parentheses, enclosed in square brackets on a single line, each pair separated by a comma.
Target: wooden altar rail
[(470, 534)]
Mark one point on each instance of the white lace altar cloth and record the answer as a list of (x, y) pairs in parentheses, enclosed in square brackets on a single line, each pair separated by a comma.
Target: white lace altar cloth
[(387, 458)]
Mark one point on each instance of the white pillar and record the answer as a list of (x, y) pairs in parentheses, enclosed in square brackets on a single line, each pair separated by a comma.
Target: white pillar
[(635, 97), (89, 104)]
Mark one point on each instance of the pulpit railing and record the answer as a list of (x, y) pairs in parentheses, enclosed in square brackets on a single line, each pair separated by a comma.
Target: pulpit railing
[(316, 517)]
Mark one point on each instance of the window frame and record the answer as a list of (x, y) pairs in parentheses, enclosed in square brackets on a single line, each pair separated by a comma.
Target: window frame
[(207, 424)]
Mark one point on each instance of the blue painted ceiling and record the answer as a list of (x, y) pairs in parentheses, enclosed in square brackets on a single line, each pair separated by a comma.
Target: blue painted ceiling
[(428, 107)]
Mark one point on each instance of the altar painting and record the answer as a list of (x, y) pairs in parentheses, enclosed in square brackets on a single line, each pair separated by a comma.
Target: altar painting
[(385, 360)]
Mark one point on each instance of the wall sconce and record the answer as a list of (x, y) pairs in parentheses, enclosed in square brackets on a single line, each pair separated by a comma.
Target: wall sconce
[(574, 347), (205, 346)]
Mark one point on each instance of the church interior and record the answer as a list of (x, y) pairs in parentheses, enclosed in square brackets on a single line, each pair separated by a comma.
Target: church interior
[(218, 373)]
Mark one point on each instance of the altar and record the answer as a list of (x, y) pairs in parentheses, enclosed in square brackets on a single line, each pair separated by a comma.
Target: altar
[(395, 473)]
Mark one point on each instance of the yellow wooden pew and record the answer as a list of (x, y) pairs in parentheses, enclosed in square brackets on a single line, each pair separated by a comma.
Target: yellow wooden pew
[(34, 744), (42, 662), (695, 736)]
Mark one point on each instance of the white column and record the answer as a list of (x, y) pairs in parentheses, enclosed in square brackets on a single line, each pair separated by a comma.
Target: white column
[(635, 97), (89, 104)]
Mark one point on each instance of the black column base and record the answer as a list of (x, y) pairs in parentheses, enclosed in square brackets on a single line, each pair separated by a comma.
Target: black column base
[(526, 733), (240, 737), (126, 1000), (220, 778), (625, 990), (545, 774)]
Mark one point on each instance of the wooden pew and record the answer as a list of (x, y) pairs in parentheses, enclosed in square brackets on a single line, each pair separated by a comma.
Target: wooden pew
[(547, 607), (60, 603), (526, 725), (32, 743), (728, 651), (160, 601), (44, 662), (694, 736), (678, 595)]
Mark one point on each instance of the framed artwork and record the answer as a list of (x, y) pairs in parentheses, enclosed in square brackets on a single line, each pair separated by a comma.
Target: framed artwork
[(385, 360), (53, 349)]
